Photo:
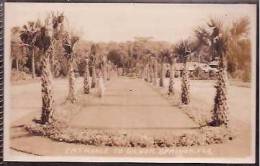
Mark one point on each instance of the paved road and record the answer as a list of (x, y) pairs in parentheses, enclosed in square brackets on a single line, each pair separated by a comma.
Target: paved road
[(131, 103)]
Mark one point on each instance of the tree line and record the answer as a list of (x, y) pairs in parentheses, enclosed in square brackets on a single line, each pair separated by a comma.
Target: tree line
[(131, 55)]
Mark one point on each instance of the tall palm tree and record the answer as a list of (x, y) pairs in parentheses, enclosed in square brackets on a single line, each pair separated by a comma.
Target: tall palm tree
[(93, 52), (87, 77), (183, 49), (68, 45), (219, 45), (218, 41), (43, 42)]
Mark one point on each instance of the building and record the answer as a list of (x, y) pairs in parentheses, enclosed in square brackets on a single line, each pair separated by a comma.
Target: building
[(197, 70)]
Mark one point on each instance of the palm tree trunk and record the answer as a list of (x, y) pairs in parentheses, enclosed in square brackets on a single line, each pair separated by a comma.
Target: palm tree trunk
[(104, 71), (220, 110), (108, 71), (94, 77), (185, 86), (17, 64), (150, 73), (155, 73), (123, 70), (142, 72), (71, 96), (53, 57), (162, 75), (86, 79), (33, 63), (171, 81), (146, 74), (47, 94)]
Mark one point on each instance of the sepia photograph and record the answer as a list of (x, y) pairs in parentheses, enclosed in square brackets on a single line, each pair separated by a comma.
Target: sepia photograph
[(130, 82)]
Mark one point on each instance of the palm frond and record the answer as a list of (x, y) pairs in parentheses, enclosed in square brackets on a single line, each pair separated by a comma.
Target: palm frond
[(183, 50), (240, 27), (15, 30), (215, 22), (221, 44)]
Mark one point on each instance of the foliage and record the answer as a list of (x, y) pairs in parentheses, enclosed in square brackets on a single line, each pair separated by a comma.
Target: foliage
[(236, 37)]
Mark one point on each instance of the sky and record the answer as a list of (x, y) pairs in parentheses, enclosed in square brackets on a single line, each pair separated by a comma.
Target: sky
[(122, 22)]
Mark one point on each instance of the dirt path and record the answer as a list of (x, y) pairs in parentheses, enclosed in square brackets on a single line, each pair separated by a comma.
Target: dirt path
[(131, 103)]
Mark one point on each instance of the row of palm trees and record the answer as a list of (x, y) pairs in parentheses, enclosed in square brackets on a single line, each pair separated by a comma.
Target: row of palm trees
[(218, 44), (45, 37)]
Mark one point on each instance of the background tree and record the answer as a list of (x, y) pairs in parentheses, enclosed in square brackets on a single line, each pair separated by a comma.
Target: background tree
[(17, 53), (239, 52), (27, 36)]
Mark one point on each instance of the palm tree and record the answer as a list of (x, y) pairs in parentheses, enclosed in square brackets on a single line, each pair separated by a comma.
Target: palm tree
[(93, 55), (109, 67), (68, 45), (43, 42), (87, 78), (183, 49), (171, 59), (104, 67), (28, 36), (218, 41), (162, 72), (146, 72), (150, 71), (219, 45), (145, 63), (154, 70)]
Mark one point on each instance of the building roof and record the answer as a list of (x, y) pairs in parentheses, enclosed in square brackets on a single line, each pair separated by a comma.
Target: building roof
[(213, 63), (191, 66)]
